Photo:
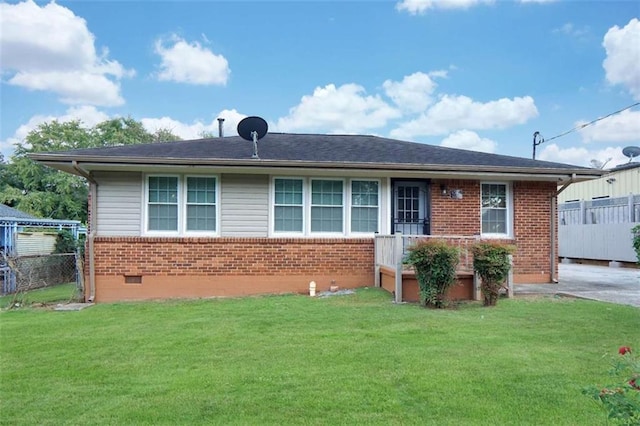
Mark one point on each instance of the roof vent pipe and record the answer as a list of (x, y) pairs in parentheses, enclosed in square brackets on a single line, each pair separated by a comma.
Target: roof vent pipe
[(220, 127)]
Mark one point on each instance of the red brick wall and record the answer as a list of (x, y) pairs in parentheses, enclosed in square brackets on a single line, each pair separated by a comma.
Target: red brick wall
[(531, 222), (455, 217), (532, 228), (206, 267)]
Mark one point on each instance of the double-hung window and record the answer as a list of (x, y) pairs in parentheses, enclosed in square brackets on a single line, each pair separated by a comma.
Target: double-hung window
[(316, 206), (201, 204), (496, 204), (327, 199), (288, 205), (162, 205), (364, 206), (181, 204)]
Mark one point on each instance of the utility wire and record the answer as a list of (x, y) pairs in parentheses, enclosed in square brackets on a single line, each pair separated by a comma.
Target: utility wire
[(582, 126), (540, 140)]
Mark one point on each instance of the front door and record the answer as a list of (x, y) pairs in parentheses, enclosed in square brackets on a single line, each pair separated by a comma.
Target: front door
[(411, 208)]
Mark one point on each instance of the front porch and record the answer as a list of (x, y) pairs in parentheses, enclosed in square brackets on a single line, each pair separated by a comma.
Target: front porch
[(400, 280)]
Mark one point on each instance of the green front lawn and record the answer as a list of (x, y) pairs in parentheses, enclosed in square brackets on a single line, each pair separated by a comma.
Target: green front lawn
[(356, 359)]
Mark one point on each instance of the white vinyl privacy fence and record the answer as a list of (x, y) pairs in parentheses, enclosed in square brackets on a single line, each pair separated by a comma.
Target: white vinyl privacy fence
[(598, 229)]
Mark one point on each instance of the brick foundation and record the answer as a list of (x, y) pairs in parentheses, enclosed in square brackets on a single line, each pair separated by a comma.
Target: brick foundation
[(136, 268)]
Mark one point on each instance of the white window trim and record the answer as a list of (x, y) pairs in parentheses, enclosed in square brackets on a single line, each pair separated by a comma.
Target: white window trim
[(272, 204), (310, 205), (509, 210), (306, 208), (350, 207), (182, 207)]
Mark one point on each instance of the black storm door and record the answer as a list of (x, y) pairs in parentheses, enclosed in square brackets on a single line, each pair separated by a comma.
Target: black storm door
[(411, 208)]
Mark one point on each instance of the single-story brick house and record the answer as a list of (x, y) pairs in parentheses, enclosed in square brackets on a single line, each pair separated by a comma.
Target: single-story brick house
[(202, 218)]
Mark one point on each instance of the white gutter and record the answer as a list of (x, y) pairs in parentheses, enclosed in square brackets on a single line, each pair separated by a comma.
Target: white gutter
[(93, 188)]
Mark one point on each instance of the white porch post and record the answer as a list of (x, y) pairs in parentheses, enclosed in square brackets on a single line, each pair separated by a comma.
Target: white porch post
[(376, 261), (398, 252), (477, 283), (510, 278)]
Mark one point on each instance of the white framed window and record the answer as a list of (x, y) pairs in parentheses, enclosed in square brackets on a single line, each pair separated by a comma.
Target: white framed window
[(162, 203), (327, 200), (288, 214), (324, 206), (365, 202), (179, 204), (496, 209), (201, 203)]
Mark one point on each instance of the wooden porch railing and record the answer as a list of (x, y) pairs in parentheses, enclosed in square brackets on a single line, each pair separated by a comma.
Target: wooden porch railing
[(390, 250)]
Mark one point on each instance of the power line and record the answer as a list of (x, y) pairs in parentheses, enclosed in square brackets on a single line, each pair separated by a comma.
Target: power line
[(541, 140)]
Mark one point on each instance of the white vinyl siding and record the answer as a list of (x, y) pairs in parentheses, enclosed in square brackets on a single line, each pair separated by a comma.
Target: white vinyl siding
[(244, 205), (119, 204), (496, 209)]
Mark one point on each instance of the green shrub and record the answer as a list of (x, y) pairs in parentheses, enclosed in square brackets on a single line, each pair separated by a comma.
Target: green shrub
[(435, 265), (491, 262), (65, 243), (635, 231)]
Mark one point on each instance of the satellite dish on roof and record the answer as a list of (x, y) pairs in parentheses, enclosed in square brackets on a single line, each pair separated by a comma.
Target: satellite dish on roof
[(253, 129), (631, 152)]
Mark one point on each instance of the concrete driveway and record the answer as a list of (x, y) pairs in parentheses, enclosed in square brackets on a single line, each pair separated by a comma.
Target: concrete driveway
[(615, 285)]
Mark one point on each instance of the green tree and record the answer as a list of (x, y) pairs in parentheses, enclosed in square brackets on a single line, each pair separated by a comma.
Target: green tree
[(45, 192), (164, 135)]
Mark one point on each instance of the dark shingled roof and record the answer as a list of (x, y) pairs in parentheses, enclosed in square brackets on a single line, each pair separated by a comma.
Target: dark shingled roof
[(338, 149), (10, 212)]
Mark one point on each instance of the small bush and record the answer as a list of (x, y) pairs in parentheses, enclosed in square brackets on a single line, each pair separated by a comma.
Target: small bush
[(491, 262), (435, 264), (65, 243), (621, 400), (635, 231)]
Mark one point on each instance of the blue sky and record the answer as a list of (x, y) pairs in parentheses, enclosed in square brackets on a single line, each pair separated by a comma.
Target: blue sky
[(473, 74)]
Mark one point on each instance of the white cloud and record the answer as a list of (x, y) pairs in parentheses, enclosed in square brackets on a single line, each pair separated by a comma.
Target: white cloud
[(418, 7), (413, 93), (453, 113), (75, 87), (622, 127), (466, 139), (185, 62), (622, 64), (572, 31), (197, 128), (88, 115), (50, 48), (581, 156), (344, 109)]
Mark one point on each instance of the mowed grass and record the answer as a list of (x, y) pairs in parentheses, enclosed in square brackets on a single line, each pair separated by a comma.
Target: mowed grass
[(356, 359)]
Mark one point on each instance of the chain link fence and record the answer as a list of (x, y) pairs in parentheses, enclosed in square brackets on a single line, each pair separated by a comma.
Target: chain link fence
[(23, 273)]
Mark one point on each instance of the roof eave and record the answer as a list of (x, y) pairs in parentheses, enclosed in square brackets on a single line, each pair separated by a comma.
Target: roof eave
[(65, 163)]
